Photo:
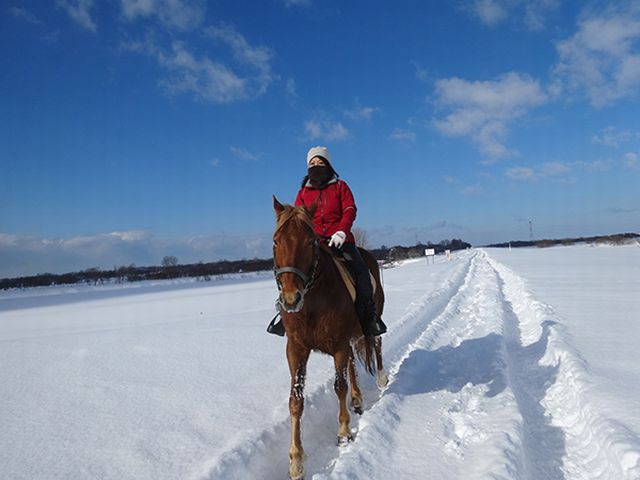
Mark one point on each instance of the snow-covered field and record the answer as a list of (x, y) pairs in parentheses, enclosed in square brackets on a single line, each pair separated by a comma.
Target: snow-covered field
[(511, 365)]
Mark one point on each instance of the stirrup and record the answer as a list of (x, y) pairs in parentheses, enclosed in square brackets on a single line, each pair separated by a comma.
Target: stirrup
[(378, 328), (375, 327), (277, 328)]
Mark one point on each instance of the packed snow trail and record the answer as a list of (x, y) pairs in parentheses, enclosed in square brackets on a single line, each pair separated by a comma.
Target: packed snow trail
[(487, 385)]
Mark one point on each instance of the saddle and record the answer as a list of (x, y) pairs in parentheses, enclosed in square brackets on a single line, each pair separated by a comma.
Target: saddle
[(346, 275)]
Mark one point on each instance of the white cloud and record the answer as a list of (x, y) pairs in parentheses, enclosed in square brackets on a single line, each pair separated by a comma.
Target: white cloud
[(25, 15), (535, 12), (520, 173), (326, 130), (594, 166), (244, 154), (80, 12), (602, 59), (557, 169), (361, 113), (482, 110), (401, 135), (207, 79), (98, 244), (179, 14), (473, 190), (26, 255), (214, 162), (256, 58), (451, 180), (630, 160), (613, 137), (529, 13), (554, 168), (489, 12), (422, 73), (291, 88), (297, 3)]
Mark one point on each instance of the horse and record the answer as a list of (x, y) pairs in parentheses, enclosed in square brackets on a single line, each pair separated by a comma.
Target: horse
[(318, 314)]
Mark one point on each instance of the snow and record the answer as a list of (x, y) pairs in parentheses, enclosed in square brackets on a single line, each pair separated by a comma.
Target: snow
[(517, 364)]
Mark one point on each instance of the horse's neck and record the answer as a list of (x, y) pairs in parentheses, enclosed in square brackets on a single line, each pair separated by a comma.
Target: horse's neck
[(327, 269)]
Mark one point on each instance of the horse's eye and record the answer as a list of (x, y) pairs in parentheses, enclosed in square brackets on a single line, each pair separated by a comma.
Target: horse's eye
[(275, 243)]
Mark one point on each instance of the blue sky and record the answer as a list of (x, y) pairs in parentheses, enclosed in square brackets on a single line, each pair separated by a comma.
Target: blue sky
[(134, 129)]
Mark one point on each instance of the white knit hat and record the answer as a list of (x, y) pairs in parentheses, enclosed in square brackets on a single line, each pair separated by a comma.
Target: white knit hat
[(319, 152)]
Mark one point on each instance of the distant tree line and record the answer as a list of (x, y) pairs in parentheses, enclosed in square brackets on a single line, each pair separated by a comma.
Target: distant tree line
[(616, 239), (170, 269), (402, 253)]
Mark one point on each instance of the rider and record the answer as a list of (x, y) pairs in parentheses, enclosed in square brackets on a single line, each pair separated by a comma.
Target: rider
[(332, 221)]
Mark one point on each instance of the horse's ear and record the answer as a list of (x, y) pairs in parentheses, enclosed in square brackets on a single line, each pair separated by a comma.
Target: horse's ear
[(277, 206), (313, 207)]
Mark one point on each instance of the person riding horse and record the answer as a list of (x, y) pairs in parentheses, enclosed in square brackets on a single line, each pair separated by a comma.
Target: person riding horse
[(333, 219)]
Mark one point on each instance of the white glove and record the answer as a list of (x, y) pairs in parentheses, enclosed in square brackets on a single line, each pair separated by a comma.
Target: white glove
[(337, 239)]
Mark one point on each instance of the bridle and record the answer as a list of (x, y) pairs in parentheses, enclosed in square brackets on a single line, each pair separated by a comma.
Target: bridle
[(308, 279)]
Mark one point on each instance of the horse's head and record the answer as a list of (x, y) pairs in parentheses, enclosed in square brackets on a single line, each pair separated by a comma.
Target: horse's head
[(295, 254)]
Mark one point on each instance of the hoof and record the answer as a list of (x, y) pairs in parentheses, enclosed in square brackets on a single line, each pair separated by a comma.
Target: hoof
[(296, 476), (344, 441), (382, 379), (296, 471), (356, 407)]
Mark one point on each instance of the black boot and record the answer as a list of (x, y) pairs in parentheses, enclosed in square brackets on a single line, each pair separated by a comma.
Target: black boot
[(276, 327), (374, 326), (378, 327), (371, 323)]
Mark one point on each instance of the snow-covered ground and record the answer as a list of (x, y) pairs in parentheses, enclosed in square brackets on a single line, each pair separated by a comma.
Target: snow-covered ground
[(513, 365)]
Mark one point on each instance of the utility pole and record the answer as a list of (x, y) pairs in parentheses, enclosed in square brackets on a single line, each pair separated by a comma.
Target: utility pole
[(531, 231)]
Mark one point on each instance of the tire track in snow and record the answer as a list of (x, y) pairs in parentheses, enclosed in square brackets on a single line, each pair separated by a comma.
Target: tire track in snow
[(592, 445), (265, 456)]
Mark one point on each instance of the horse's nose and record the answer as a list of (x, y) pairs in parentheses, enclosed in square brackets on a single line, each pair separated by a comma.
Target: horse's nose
[(292, 300)]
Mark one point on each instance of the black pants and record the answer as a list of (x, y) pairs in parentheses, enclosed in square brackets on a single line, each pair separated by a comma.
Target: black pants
[(365, 307)]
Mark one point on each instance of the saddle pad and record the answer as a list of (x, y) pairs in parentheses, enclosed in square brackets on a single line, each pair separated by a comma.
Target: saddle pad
[(348, 279)]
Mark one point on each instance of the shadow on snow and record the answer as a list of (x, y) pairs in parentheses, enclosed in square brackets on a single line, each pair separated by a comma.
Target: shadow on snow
[(496, 361)]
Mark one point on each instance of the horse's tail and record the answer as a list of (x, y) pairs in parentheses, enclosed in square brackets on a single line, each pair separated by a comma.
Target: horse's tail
[(366, 353), (364, 348)]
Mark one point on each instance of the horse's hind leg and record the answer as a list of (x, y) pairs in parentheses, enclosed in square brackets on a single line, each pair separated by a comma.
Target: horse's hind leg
[(356, 394), (382, 379), (341, 361), (297, 359)]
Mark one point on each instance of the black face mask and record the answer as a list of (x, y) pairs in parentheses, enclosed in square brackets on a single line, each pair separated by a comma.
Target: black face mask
[(319, 175)]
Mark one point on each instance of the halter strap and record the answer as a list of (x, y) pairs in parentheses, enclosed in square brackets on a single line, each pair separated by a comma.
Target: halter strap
[(294, 270), (307, 279)]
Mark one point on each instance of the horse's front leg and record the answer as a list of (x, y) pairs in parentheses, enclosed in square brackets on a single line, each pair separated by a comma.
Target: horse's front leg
[(297, 357), (341, 361)]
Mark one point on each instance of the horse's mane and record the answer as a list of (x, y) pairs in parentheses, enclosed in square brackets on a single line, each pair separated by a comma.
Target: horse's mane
[(299, 215)]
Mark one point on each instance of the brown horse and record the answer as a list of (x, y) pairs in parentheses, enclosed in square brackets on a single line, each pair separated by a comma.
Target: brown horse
[(319, 314)]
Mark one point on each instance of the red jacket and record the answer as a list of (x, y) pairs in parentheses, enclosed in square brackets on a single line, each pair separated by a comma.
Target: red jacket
[(336, 208)]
